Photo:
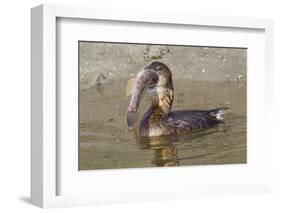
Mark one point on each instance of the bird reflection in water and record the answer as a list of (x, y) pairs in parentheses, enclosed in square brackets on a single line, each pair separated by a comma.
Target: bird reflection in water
[(168, 150), (165, 153)]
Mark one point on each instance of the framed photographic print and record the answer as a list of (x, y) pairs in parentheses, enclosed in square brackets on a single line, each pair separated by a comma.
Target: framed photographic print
[(130, 106)]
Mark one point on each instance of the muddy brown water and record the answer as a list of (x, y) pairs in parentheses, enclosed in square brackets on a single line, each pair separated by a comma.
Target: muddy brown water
[(105, 142)]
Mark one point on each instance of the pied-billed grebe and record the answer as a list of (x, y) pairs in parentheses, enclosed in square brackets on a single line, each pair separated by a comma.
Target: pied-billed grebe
[(156, 78)]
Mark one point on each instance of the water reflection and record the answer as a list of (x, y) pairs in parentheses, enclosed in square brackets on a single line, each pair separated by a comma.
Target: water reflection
[(165, 147), (105, 142), (165, 153)]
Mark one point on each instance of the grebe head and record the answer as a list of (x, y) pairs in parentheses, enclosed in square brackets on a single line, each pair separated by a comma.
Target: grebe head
[(164, 73), (161, 92)]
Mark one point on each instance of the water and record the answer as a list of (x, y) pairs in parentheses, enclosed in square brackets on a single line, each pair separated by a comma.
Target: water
[(105, 142)]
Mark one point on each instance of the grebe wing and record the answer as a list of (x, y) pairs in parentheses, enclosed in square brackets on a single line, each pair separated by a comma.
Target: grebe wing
[(194, 119)]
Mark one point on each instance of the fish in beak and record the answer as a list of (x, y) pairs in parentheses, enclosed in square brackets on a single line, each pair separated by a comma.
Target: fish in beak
[(145, 78)]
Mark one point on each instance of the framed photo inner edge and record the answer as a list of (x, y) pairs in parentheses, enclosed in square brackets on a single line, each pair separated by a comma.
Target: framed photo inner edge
[(44, 103)]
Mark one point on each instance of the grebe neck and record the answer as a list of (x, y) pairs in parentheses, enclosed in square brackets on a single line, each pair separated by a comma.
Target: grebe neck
[(162, 100)]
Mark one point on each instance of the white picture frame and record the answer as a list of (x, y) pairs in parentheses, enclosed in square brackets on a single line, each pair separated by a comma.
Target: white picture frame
[(44, 153)]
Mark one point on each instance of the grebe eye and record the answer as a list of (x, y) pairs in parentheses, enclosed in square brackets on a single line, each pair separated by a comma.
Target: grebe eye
[(158, 67)]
